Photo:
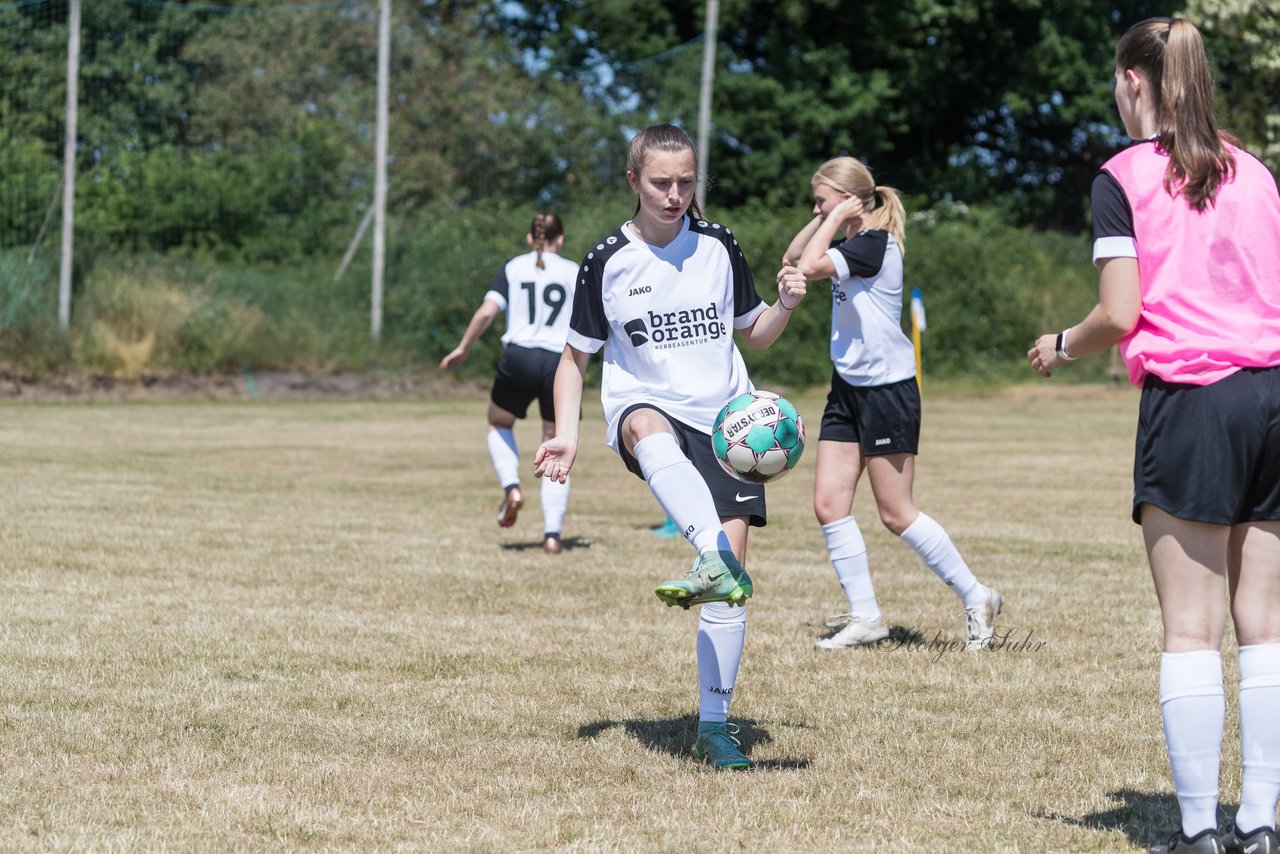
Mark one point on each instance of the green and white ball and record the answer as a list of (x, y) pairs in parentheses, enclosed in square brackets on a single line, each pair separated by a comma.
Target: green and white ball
[(758, 437)]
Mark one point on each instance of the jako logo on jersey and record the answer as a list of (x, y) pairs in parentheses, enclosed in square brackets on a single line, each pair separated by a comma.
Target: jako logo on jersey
[(691, 326), (635, 328), (643, 289)]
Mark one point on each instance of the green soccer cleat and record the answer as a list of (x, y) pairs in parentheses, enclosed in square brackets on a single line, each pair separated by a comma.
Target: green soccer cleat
[(718, 745), (716, 577)]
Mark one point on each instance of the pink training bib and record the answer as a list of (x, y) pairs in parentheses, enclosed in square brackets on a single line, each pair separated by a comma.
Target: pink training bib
[(1210, 281)]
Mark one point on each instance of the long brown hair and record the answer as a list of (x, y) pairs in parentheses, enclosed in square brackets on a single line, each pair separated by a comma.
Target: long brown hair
[(660, 138), (1170, 53), (546, 228), (882, 205)]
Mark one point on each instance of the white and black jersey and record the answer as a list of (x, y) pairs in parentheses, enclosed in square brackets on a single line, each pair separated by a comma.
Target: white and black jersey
[(665, 317), (868, 345), (537, 302)]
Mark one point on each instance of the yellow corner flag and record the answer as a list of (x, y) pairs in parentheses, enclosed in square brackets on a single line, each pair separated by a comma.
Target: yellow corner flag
[(917, 326)]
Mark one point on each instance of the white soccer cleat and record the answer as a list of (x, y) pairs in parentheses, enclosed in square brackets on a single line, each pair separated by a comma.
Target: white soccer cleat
[(856, 632), (980, 622)]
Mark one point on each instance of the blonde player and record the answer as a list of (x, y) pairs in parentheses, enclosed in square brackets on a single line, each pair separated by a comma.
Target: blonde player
[(872, 419)]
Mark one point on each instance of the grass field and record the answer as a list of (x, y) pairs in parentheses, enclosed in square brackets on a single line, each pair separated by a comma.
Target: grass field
[(269, 625)]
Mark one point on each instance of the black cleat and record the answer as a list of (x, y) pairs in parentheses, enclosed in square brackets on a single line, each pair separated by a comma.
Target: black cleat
[(1204, 842), (1261, 841)]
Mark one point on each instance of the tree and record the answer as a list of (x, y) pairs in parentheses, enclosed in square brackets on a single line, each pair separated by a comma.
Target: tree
[(1003, 101), (1244, 37)]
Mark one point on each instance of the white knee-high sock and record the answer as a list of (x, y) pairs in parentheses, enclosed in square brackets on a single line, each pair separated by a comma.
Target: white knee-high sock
[(506, 460), (848, 552), (722, 629), (1192, 706), (1259, 735), (930, 541), (555, 501), (681, 491)]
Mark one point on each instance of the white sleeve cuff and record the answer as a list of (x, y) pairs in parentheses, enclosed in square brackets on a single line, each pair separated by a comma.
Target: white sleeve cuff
[(578, 341), (749, 318), (1114, 247), (838, 261), (494, 296)]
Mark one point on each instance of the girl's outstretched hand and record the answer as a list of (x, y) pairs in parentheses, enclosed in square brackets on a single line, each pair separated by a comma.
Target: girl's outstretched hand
[(792, 285), (554, 458), (455, 358)]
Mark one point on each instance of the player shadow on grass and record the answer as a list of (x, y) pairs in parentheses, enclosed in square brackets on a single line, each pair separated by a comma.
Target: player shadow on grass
[(674, 736), (569, 543), (1144, 818)]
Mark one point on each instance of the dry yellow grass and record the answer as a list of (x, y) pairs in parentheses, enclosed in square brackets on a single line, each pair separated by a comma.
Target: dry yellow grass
[(297, 626)]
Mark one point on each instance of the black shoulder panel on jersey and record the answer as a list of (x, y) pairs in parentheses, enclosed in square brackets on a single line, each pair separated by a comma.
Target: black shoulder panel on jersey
[(1112, 214), (864, 252), (588, 318), (500, 284)]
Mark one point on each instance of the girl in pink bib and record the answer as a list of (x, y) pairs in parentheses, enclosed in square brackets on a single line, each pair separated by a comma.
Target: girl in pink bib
[(1187, 241)]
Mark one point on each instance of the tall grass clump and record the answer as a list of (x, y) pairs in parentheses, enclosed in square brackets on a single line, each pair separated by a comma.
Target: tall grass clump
[(156, 314), (135, 317), (313, 322)]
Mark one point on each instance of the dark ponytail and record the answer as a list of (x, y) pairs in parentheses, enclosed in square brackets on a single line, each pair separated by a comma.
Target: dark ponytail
[(546, 228), (1171, 54)]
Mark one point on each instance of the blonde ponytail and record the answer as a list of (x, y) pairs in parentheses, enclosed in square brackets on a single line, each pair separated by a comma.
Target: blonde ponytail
[(882, 206), (889, 215)]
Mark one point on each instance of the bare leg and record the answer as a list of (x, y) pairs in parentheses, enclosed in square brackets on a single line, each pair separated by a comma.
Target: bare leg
[(835, 480), (1189, 566), (892, 477), (1253, 572), (1253, 568)]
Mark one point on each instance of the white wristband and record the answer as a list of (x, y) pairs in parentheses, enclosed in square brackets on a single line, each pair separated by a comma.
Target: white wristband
[(1061, 346)]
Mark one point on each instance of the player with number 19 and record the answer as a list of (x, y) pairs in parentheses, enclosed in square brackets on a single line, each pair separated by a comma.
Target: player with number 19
[(536, 291)]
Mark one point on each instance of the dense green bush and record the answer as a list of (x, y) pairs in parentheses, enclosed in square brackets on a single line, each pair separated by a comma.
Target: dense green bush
[(29, 313), (270, 203), (989, 289)]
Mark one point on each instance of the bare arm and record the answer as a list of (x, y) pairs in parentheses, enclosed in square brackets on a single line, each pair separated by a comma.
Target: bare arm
[(480, 321), (813, 261), (792, 288), (554, 457), (801, 240), (1116, 314)]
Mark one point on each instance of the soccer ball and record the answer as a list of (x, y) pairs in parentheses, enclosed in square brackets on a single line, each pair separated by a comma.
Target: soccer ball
[(758, 437)]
